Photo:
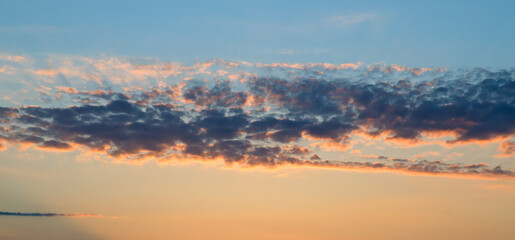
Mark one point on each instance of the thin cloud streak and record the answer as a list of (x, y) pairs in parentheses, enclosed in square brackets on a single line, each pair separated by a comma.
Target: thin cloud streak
[(346, 20), (75, 215)]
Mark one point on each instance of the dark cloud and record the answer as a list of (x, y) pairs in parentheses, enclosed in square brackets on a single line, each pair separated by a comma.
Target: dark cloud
[(7, 112), (55, 144), (20, 214), (474, 110), (297, 150), (254, 123), (220, 95)]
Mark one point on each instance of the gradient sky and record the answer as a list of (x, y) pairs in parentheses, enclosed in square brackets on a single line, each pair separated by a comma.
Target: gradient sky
[(430, 34), (257, 120)]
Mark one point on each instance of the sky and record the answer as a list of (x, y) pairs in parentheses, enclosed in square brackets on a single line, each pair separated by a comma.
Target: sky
[(429, 34), (257, 120)]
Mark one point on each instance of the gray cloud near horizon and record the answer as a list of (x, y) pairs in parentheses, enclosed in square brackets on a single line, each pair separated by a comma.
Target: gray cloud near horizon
[(22, 214)]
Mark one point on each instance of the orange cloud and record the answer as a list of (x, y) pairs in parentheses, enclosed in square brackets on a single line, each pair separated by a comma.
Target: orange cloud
[(47, 72), (14, 58), (67, 89), (507, 149)]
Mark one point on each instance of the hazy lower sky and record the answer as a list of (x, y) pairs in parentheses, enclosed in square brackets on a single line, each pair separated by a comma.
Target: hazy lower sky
[(257, 120)]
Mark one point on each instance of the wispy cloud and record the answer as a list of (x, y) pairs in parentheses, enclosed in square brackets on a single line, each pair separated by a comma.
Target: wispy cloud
[(287, 52), (346, 20), (507, 149)]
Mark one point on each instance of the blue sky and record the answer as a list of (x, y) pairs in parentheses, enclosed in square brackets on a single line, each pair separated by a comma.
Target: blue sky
[(432, 34)]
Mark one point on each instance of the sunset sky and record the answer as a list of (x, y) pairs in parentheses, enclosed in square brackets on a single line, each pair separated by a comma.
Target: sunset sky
[(257, 120)]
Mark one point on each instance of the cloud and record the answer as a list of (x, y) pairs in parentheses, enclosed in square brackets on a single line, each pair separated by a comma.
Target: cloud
[(77, 215), (346, 20), (507, 149), (287, 52), (424, 167), (277, 114), (13, 58)]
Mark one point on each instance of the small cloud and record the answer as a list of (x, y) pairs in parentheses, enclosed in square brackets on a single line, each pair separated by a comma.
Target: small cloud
[(287, 52), (356, 151), (20, 214), (345, 20), (507, 149), (13, 58)]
